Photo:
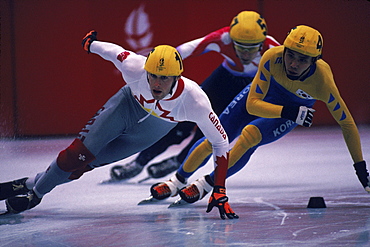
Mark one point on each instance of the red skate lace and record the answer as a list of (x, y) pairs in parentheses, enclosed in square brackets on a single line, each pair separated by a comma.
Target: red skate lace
[(163, 189), (191, 191)]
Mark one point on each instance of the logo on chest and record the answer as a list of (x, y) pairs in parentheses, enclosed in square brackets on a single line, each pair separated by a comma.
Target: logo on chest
[(303, 94), (161, 112)]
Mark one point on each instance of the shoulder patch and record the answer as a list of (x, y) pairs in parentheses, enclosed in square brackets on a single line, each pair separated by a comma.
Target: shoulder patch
[(279, 60), (122, 56)]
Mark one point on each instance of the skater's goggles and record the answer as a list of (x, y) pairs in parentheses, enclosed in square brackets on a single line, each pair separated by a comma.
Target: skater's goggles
[(247, 48)]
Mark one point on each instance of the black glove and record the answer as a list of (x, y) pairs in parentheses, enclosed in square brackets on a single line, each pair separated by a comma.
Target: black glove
[(301, 115), (362, 174), (88, 39), (220, 200)]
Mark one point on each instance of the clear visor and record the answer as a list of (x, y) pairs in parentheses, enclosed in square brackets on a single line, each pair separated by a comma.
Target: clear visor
[(247, 48)]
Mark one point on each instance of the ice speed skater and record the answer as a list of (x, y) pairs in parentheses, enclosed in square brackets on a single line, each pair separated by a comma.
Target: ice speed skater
[(154, 100), (241, 44), (290, 78)]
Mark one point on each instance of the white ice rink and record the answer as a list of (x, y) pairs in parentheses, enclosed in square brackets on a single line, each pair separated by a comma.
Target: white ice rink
[(270, 195)]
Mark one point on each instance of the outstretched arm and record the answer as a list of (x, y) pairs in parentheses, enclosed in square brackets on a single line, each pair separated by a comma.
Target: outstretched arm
[(128, 62), (342, 115)]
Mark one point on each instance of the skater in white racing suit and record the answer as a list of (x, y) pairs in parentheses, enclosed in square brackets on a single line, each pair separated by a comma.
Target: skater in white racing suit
[(154, 100)]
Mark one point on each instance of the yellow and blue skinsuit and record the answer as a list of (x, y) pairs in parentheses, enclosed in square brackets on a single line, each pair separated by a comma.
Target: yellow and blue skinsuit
[(254, 116)]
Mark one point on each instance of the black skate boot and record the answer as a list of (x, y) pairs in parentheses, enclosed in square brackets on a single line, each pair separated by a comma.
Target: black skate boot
[(13, 188), (163, 168), (125, 171), (169, 188), (197, 190), (19, 204)]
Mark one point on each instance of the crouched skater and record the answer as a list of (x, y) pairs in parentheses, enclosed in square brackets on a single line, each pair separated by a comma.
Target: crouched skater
[(154, 100), (289, 80)]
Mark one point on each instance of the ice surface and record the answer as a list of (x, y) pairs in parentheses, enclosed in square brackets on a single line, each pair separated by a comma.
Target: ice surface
[(270, 195)]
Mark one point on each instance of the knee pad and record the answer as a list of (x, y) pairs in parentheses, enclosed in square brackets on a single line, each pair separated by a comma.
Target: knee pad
[(75, 157), (197, 156), (250, 136)]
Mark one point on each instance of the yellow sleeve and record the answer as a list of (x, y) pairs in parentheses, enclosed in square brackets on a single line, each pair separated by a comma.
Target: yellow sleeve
[(259, 88), (340, 112)]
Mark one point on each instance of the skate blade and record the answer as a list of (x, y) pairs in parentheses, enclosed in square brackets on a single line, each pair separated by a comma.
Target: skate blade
[(112, 181), (144, 179), (148, 200), (6, 213), (178, 203)]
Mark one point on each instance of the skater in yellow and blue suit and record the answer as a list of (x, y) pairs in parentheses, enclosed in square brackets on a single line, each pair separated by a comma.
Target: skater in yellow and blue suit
[(289, 80)]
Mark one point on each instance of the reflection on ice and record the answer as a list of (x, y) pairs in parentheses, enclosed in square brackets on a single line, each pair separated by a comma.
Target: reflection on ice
[(270, 195)]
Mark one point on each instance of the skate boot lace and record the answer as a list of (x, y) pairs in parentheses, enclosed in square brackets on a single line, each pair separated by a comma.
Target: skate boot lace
[(191, 191), (162, 189), (170, 188), (196, 191)]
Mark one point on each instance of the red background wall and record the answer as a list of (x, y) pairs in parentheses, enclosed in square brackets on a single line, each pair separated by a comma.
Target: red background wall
[(50, 86)]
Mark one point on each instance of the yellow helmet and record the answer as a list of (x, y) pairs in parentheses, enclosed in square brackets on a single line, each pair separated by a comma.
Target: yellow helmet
[(305, 40), (164, 60), (248, 27)]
